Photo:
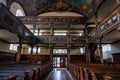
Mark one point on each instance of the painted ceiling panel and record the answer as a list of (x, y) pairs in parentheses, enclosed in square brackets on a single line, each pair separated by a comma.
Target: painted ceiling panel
[(32, 6)]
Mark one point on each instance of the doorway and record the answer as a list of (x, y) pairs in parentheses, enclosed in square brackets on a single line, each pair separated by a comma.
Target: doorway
[(59, 62)]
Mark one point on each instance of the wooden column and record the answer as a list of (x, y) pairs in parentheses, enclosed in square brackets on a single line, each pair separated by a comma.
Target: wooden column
[(100, 50), (37, 50), (31, 50), (51, 33), (88, 59), (68, 54), (38, 32), (85, 50), (18, 55), (34, 28), (68, 33), (37, 46), (51, 54)]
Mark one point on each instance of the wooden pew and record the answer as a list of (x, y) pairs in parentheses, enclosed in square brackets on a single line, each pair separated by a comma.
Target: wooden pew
[(26, 71), (94, 71)]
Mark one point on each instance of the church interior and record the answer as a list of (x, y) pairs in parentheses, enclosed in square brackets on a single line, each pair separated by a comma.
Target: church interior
[(59, 40)]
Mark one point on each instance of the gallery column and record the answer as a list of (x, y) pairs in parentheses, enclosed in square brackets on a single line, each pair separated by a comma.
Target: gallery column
[(18, 54), (100, 50)]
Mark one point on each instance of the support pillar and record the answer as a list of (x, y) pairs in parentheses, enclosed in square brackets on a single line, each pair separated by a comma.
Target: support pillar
[(100, 51), (89, 56), (68, 55), (51, 55), (31, 50), (37, 50), (19, 49), (18, 55)]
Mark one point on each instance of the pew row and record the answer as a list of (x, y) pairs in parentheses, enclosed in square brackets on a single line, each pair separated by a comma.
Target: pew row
[(94, 71), (25, 71)]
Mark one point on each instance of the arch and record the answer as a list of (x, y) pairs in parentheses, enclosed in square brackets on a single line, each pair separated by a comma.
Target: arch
[(16, 7), (60, 51), (63, 7), (60, 14)]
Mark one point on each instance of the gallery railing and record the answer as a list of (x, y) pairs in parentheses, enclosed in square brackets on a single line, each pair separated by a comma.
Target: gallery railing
[(62, 39), (14, 25), (108, 24)]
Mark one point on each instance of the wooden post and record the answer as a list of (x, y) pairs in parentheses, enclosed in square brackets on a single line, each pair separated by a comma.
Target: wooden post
[(89, 56), (37, 50), (68, 54), (85, 50), (31, 50), (18, 55), (51, 54), (88, 59), (100, 50), (101, 54)]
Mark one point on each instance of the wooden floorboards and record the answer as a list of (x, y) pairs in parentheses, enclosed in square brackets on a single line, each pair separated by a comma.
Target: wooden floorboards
[(59, 74)]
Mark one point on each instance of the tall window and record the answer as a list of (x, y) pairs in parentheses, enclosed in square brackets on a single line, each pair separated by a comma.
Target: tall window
[(19, 12), (13, 47)]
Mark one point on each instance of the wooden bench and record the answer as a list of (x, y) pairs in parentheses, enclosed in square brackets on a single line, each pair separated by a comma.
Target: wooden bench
[(25, 71), (94, 71)]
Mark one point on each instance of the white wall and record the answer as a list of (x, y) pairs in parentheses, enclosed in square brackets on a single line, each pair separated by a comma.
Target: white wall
[(44, 51), (75, 51), (104, 10), (14, 6), (5, 47), (115, 48)]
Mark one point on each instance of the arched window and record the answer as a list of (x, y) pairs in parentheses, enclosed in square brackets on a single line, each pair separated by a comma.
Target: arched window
[(19, 12), (60, 51)]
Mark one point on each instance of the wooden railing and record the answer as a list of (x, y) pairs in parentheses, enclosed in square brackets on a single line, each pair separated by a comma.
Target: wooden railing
[(62, 39), (51, 19), (108, 24)]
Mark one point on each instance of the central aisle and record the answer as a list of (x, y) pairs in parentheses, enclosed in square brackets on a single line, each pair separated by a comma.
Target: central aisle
[(59, 74)]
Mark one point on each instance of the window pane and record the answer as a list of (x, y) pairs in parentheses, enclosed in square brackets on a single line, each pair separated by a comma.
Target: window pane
[(13, 47), (19, 12)]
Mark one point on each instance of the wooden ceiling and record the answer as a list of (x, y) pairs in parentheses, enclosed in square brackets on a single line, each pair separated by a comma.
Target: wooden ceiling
[(35, 7), (86, 8)]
